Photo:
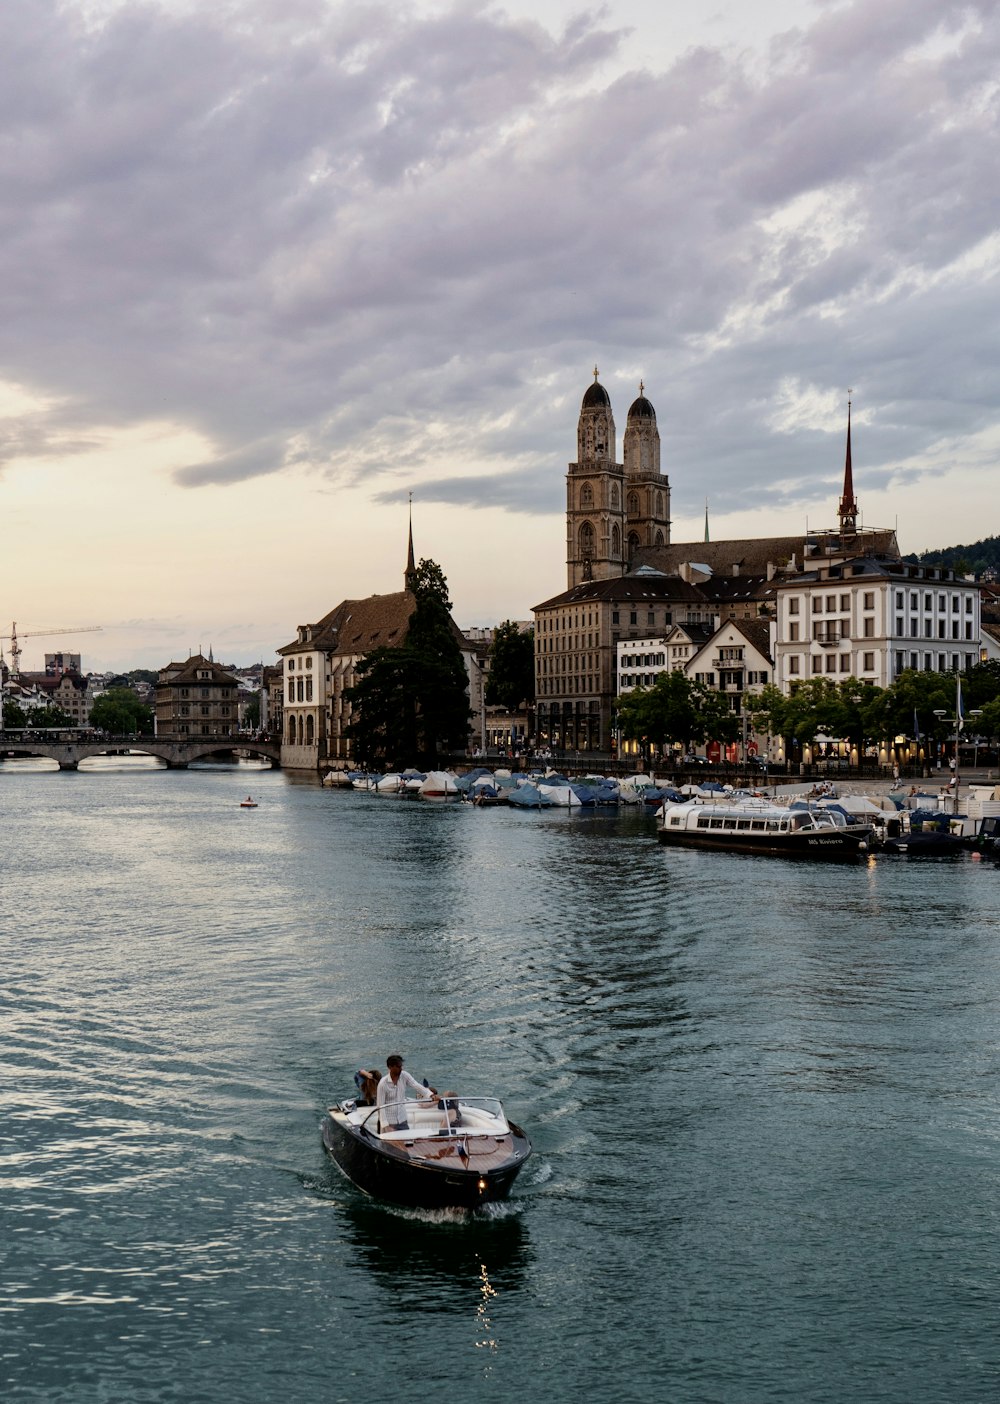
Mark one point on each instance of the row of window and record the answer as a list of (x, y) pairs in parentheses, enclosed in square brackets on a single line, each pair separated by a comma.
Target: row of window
[(307, 663), (631, 502), (841, 662), (300, 690), (832, 604)]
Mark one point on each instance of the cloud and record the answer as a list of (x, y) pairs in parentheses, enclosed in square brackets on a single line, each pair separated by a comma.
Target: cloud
[(389, 245)]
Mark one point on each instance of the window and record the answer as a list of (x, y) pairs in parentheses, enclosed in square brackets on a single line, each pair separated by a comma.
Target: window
[(845, 602), (845, 662), (868, 663), (869, 599), (869, 628), (586, 495), (831, 604), (817, 664), (793, 631), (793, 606), (817, 604), (309, 662), (831, 662), (793, 664), (291, 665)]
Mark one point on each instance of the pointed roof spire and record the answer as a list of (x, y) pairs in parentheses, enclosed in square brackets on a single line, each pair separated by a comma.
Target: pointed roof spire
[(411, 567), (706, 519), (848, 509)]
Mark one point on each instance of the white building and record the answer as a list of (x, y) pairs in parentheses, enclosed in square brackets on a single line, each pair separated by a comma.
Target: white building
[(872, 619)]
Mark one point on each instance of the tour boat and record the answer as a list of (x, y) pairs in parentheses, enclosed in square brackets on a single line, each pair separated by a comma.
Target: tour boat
[(457, 1152), (750, 827)]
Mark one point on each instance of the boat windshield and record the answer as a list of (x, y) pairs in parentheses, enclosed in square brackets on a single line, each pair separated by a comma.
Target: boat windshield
[(449, 1115)]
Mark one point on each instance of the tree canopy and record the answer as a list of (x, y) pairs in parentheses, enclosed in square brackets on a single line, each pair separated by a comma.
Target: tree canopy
[(121, 713), (511, 679), (411, 703), (675, 710)]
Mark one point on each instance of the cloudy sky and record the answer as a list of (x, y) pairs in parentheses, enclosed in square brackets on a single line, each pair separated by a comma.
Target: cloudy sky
[(269, 266)]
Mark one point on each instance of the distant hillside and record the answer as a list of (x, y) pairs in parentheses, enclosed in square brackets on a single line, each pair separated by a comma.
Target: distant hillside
[(980, 559)]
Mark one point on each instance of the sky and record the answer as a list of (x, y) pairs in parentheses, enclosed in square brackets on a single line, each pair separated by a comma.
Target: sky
[(269, 267)]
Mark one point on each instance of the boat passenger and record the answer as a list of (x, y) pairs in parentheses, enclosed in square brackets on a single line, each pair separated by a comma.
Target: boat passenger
[(391, 1095), (366, 1080)]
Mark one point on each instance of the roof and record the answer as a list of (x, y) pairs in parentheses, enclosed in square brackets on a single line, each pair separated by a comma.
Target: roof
[(357, 627), (753, 557), (187, 673), (641, 409), (627, 589), (596, 397), (757, 633)]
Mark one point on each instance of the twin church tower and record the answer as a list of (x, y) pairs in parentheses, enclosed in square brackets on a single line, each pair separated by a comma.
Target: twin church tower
[(613, 509)]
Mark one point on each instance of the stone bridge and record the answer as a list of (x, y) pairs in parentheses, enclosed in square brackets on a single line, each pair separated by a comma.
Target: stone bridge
[(177, 754)]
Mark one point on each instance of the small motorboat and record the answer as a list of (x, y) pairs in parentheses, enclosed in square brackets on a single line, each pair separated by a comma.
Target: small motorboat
[(248, 803), (457, 1152)]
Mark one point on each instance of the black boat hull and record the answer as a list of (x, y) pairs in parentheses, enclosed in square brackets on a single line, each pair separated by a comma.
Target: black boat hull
[(392, 1172), (834, 846)]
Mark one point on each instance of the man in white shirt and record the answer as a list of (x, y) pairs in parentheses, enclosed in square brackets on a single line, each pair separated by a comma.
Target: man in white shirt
[(391, 1095)]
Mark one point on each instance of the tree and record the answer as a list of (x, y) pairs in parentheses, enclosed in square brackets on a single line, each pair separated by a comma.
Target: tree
[(13, 715), (676, 709), (252, 714), (121, 713), (44, 718), (411, 702), (511, 679)]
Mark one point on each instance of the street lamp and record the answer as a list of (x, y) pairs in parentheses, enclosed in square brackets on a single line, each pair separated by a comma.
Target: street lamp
[(959, 721)]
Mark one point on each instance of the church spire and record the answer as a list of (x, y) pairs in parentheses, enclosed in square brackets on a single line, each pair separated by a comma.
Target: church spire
[(706, 519), (410, 575), (848, 509)]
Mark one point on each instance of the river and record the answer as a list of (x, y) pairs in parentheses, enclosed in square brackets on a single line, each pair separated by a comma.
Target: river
[(763, 1098)]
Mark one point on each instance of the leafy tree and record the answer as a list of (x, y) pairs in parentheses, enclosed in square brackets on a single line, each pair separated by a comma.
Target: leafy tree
[(511, 679), (981, 684), (121, 713), (13, 715), (252, 713), (676, 709), (44, 717), (412, 702), (144, 675)]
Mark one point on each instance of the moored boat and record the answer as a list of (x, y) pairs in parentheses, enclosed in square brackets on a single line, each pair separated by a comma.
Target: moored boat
[(456, 1152), (762, 828)]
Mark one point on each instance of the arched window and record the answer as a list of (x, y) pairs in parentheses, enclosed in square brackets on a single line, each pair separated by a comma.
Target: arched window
[(659, 539), (587, 495), (616, 500), (659, 504), (616, 543), (310, 731), (633, 543), (291, 731), (633, 504), (586, 540)]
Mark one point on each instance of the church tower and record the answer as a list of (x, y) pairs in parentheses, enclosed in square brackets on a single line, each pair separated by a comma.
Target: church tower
[(647, 490), (595, 498), (847, 511)]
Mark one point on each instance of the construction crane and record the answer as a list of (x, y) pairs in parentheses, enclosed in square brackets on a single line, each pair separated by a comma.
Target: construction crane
[(15, 647)]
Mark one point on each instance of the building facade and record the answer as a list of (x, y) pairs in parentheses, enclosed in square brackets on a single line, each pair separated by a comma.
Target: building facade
[(872, 619), (320, 665), (196, 698)]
